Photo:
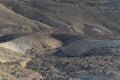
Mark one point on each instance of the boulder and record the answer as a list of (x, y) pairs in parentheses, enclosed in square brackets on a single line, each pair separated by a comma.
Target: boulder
[(87, 46), (78, 48)]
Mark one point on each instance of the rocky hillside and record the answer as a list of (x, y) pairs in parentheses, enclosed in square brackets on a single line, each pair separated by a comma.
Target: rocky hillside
[(59, 39)]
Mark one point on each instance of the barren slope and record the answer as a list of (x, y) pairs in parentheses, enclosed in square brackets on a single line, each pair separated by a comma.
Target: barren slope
[(102, 17), (11, 22), (59, 39)]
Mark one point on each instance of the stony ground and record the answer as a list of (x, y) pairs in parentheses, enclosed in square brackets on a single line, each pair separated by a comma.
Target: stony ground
[(59, 40)]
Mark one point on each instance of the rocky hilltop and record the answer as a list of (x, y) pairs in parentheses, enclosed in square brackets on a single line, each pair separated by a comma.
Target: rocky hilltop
[(59, 39)]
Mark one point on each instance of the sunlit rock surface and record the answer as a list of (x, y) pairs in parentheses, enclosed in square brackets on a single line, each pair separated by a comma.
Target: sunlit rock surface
[(18, 48)]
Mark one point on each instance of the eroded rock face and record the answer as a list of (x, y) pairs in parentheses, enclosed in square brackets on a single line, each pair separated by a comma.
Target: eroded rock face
[(19, 48)]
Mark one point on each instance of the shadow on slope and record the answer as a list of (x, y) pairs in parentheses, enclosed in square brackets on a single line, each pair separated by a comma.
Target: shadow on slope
[(10, 37)]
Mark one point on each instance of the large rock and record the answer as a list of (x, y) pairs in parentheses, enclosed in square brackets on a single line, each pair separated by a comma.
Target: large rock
[(78, 48), (84, 47)]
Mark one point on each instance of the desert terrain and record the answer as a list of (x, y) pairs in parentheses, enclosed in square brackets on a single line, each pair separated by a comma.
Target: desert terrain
[(59, 40)]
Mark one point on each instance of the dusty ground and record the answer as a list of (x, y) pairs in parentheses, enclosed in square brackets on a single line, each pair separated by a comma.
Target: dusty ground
[(59, 40)]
